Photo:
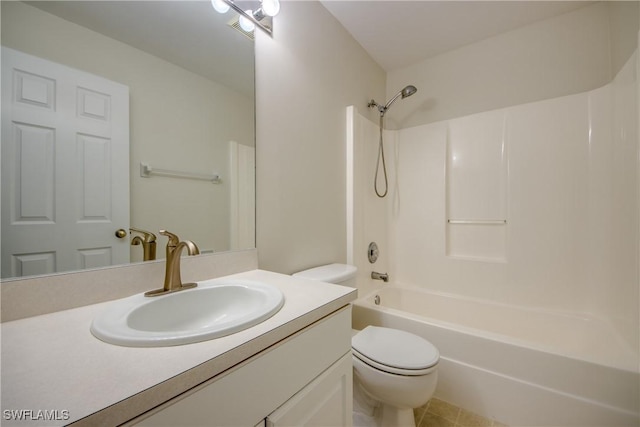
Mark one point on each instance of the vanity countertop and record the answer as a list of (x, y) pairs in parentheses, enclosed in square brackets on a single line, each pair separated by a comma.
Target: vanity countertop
[(54, 369)]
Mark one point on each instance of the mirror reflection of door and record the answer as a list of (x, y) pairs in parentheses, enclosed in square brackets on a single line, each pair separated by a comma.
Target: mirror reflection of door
[(65, 168)]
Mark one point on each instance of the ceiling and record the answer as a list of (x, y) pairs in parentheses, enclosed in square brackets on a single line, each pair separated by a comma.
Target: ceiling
[(396, 33), (401, 33)]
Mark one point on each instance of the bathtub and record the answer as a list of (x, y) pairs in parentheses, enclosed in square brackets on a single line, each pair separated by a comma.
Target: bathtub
[(520, 366)]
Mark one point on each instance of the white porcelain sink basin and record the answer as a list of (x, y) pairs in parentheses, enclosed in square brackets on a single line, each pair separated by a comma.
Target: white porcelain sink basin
[(213, 309)]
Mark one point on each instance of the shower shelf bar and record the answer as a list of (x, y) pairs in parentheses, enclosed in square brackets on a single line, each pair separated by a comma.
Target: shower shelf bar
[(146, 171), (478, 221)]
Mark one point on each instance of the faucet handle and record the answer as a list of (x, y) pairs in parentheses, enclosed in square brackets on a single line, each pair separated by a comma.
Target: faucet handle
[(173, 239)]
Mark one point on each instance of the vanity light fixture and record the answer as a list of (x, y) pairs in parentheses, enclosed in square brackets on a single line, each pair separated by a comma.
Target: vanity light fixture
[(245, 23), (270, 7), (249, 19), (220, 6)]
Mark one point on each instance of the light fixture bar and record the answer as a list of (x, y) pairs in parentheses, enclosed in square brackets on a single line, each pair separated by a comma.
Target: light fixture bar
[(265, 23)]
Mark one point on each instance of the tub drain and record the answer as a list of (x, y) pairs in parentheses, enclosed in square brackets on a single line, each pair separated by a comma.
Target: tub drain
[(376, 300)]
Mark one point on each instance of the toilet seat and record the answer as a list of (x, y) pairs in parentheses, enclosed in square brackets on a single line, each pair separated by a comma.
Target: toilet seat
[(390, 369), (378, 347)]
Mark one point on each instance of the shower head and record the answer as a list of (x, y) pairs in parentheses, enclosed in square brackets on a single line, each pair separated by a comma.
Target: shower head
[(408, 91), (404, 93)]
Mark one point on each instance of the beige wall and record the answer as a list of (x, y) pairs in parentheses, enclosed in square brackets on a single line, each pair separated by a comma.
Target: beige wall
[(306, 76), (169, 107), (624, 23), (564, 55)]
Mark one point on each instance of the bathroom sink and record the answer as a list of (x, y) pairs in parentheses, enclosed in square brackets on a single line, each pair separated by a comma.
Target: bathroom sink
[(213, 309)]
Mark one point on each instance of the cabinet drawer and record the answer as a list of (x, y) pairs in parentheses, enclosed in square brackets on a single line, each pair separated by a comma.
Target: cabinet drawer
[(249, 392)]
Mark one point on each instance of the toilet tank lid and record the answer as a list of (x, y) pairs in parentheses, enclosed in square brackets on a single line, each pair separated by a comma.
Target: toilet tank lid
[(332, 273)]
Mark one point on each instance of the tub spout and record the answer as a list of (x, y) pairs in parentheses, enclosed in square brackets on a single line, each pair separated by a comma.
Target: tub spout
[(380, 276)]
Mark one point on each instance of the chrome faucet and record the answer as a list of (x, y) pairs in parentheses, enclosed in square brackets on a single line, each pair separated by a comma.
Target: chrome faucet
[(380, 276), (172, 280)]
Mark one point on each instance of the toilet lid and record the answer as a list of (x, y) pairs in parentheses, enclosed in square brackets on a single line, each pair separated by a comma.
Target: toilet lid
[(395, 348)]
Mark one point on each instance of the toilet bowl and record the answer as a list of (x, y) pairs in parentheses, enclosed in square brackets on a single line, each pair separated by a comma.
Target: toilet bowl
[(395, 368)]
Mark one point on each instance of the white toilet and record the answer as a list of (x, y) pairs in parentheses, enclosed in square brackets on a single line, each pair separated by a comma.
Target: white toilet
[(395, 368)]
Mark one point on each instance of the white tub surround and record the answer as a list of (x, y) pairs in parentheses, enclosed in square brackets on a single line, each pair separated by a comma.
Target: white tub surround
[(549, 190), (519, 365), (52, 362), (533, 205)]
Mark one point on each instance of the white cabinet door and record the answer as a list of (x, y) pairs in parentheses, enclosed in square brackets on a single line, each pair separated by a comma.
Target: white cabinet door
[(65, 167), (248, 393), (326, 402)]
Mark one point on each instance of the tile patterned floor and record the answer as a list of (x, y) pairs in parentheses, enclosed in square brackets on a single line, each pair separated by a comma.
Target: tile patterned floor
[(438, 413)]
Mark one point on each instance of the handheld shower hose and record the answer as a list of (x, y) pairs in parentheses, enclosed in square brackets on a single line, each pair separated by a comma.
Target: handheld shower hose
[(382, 109)]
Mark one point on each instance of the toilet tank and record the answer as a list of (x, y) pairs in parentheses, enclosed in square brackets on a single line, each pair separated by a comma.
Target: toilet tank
[(340, 274)]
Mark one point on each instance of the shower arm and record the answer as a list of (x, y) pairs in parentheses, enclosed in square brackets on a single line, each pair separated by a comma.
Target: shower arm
[(391, 101), (382, 109), (404, 93), (374, 104)]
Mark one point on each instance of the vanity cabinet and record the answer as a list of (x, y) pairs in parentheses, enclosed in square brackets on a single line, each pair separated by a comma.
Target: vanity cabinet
[(305, 379), (326, 401)]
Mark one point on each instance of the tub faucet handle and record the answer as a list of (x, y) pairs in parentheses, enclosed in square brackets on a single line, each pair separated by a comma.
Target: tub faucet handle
[(380, 276)]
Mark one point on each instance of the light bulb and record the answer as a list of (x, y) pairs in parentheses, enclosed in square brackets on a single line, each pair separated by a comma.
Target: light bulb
[(220, 6), (271, 7), (245, 23)]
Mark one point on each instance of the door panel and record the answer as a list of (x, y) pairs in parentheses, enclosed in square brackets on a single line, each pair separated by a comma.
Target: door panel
[(65, 167)]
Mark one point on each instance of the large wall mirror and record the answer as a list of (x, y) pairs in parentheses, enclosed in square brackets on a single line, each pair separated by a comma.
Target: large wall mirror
[(120, 115)]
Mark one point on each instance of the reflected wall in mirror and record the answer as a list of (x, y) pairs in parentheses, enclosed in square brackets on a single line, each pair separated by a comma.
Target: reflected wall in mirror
[(190, 82)]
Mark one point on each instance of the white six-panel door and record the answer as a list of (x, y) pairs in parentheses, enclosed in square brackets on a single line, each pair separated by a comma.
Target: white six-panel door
[(65, 168)]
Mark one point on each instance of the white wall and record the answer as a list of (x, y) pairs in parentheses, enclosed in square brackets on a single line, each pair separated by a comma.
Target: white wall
[(169, 107), (567, 54), (306, 75), (367, 214)]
